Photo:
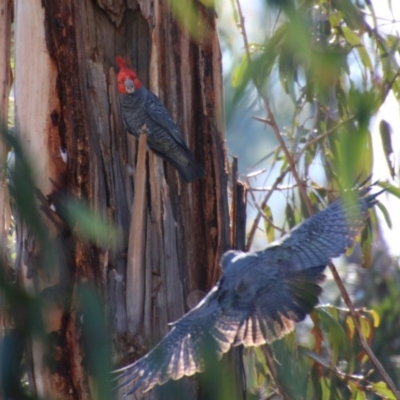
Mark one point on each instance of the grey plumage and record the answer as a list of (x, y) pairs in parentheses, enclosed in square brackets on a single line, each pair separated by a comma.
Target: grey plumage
[(141, 107), (164, 138), (259, 297)]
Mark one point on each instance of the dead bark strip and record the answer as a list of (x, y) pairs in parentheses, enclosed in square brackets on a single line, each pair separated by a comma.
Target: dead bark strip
[(135, 273)]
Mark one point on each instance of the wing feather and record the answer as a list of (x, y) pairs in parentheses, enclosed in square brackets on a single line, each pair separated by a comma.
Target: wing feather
[(182, 351), (156, 110), (278, 306), (326, 235)]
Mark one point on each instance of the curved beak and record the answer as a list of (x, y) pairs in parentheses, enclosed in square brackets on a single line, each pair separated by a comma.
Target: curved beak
[(129, 86)]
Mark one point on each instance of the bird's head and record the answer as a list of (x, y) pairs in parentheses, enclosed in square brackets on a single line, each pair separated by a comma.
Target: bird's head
[(228, 257), (128, 81)]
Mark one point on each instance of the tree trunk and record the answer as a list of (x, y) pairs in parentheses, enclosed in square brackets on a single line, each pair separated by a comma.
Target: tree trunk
[(5, 86), (67, 103), (5, 213)]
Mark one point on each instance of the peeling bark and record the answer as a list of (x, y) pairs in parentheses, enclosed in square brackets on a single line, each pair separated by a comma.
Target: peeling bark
[(70, 47), (5, 212), (5, 86)]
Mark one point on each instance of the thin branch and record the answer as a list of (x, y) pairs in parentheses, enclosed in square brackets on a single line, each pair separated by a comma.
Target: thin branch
[(286, 187), (355, 379), (243, 31), (280, 178), (360, 335), (271, 362), (269, 188), (271, 118), (266, 121), (390, 85), (289, 157), (253, 228), (260, 210), (234, 200), (292, 167)]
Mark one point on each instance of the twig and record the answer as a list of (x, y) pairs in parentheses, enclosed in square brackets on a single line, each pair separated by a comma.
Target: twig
[(234, 200), (243, 30), (135, 274), (360, 336), (269, 188), (253, 228), (270, 360), (260, 210), (285, 187), (355, 379), (279, 179), (271, 118), (292, 167)]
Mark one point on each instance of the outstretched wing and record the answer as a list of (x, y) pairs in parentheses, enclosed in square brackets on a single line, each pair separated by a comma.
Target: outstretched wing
[(277, 307), (290, 270), (182, 351), (326, 235), (271, 298)]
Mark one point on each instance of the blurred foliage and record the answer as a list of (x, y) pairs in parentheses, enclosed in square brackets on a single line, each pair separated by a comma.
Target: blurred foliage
[(24, 313), (336, 64), (190, 17)]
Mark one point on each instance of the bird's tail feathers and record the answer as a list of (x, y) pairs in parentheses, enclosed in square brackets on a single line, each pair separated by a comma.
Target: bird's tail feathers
[(190, 172)]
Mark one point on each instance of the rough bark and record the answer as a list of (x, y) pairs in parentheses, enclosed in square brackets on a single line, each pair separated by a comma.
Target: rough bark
[(5, 213), (5, 86), (65, 52)]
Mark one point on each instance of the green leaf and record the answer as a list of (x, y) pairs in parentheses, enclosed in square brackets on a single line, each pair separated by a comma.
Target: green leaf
[(352, 15), (260, 359), (188, 16), (290, 216), (353, 149), (89, 224), (272, 49), (365, 58), (366, 245), (96, 339), (330, 323), (393, 42), (335, 18), (350, 326), (386, 137), (366, 329), (395, 191), (235, 12), (269, 226), (208, 3), (396, 89), (356, 392), (316, 357), (351, 38), (287, 71), (238, 77), (375, 317), (381, 389), (385, 214), (326, 386)]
